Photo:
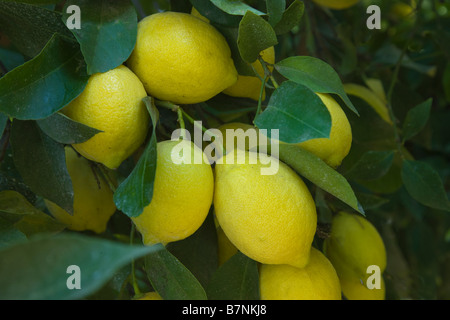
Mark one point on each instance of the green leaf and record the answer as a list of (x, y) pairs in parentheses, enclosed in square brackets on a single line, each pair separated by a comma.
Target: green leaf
[(235, 7), (255, 35), (9, 234), (372, 165), (216, 16), (136, 191), (30, 27), (275, 10), (416, 119), (198, 252), (41, 162), (315, 74), (65, 130), (290, 18), (45, 84), (236, 279), (108, 32), (170, 278), (297, 112), (37, 269), (26, 218), (319, 173), (35, 1), (424, 184)]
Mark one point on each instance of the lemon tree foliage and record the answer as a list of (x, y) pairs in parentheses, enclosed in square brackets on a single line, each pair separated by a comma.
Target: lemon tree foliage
[(89, 180)]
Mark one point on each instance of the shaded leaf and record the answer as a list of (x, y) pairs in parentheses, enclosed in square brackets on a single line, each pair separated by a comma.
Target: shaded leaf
[(65, 130), (315, 74), (41, 162), (45, 84), (108, 32), (372, 165), (37, 269), (290, 18), (170, 278), (236, 279), (416, 119), (30, 27), (275, 10), (255, 35), (297, 112), (424, 184)]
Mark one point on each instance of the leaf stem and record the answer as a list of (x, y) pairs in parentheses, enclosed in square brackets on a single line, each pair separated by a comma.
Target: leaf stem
[(134, 283)]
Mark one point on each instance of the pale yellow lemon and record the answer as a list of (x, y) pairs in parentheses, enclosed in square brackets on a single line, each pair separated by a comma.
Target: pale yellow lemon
[(93, 203)]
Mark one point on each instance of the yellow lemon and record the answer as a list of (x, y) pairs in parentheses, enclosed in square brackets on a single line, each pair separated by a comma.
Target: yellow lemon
[(250, 86), (316, 281), (182, 194), (93, 203), (181, 58), (150, 296), (111, 102), (336, 4), (270, 216), (354, 244), (355, 289), (334, 149)]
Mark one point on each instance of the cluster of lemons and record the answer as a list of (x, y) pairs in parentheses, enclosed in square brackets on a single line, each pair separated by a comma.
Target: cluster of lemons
[(272, 219)]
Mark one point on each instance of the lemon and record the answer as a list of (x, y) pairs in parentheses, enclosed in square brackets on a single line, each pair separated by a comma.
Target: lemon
[(93, 203), (250, 86), (271, 218), (355, 289), (334, 149), (150, 296), (182, 194), (354, 245), (181, 58), (336, 4), (316, 281), (111, 102)]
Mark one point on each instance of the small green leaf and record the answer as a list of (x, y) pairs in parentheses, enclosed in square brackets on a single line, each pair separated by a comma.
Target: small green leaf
[(170, 278), (416, 119), (315, 74), (216, 16), (319, 173), (41, 162), (275, 10), (291, 18), (297, 112), (65, 130), (37, 269), (236, 279), (136, 191), (3, 122), (45, 84), (235, 7), (424, 184), (108, 32), (372, 165), (255, 35)]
